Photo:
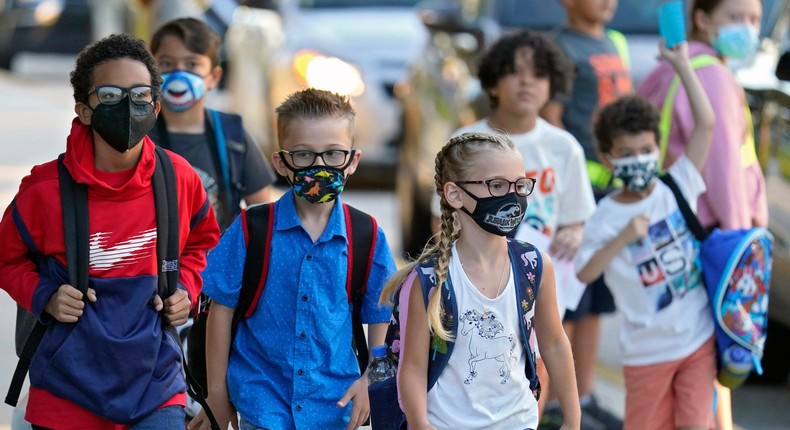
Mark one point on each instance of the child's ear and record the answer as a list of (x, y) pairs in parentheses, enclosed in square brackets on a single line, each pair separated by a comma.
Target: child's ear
[(605, 159), (452, 193), (279, 165), (83, 112), (354, 163), (213, 78)]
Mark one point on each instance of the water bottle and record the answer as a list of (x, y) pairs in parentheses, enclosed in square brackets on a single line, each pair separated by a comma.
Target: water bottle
[(736, 365), (381, 368)]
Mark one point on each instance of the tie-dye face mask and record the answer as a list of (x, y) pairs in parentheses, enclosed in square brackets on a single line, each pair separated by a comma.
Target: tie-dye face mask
[(318, 184)]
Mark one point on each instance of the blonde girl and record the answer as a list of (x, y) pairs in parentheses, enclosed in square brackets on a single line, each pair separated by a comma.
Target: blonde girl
[(480, 178)]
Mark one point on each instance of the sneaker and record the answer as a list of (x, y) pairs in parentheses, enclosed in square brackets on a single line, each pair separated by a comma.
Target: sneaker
[(608, 420)]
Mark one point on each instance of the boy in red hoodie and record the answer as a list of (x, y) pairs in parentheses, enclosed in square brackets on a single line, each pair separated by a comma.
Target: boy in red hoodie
[(106, 362)]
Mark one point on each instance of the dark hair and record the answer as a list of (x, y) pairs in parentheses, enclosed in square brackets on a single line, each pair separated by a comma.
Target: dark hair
[(628, 115), (707, 6), (547, 57), (311, 103), (198, 37), (112, 47)]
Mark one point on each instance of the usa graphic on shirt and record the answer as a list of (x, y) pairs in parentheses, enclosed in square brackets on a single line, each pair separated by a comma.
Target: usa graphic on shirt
[(667, 260)]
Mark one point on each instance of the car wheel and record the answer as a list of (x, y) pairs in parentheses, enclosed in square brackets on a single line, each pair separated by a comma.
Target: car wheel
[(776, 356)]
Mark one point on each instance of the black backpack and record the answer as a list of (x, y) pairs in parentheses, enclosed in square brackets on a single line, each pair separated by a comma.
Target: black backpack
[(74, 201), (361, 231)]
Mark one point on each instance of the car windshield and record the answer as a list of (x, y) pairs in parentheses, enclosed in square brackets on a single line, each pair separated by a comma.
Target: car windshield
[(632, 16), (315, 4)]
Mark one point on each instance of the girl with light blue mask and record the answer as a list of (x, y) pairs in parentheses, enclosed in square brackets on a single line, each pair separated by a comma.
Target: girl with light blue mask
[(732, 27)]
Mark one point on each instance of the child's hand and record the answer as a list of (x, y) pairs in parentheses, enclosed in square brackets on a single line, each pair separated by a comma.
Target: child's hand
[(176, 307), (224, 413), (636, 228), (566, 242), (66, 304), (677, 56), (357, 393)]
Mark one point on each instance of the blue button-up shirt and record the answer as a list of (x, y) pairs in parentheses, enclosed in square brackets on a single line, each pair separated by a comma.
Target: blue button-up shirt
[(292, 360)]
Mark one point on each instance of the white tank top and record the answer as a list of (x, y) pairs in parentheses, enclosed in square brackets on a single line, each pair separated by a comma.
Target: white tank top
[(484, 385)]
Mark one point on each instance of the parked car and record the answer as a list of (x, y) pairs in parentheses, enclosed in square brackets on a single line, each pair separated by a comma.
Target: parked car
[(442, 93), (359, 48)]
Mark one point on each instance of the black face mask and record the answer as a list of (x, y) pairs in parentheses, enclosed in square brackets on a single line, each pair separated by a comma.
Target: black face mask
[(123, 125), (498, 215)]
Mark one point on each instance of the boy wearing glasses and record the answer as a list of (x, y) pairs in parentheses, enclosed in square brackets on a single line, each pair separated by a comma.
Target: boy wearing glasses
[(106, 361), (290, 364), (216, 144)]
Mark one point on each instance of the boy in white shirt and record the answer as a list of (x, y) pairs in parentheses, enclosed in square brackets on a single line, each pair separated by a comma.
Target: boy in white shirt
[(639, 241)]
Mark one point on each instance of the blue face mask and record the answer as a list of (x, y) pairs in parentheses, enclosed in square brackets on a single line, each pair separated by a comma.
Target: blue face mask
[(182, 89), (737, 41)]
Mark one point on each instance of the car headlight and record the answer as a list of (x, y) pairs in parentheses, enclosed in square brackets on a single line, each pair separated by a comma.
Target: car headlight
[(328, 73)]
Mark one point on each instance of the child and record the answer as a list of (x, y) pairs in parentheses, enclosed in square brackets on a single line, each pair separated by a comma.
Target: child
[(233, 168), (106, 360), (480, 178), (639, 241), (600, 59), (291, 363), (520, 73)]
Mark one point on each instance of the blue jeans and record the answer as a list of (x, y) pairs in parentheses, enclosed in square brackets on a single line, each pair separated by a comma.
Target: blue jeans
[(246, 425), (167, 418)]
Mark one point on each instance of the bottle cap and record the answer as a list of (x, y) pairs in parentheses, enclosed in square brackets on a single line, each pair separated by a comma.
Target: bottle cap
[(379, 350)]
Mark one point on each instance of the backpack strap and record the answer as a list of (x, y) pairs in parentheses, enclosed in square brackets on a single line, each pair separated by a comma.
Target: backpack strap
[(74, 204), (361, 233), (620, 45), (215, 122), (167, 225), (527, 264), (258, 224), (688, 215)]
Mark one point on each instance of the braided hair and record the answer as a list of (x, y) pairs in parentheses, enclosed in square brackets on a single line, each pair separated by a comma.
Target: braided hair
[(450, 165)]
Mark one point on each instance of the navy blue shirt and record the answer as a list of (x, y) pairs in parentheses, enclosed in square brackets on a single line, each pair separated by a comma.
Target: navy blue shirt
[(292, 360)]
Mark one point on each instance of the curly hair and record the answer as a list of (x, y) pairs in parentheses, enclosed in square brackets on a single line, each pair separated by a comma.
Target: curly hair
[(628, 115), (196, 35), (111, 48), (547, 57)]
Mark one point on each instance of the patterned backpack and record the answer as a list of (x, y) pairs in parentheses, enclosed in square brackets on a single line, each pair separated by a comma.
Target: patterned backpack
[(527, 265)]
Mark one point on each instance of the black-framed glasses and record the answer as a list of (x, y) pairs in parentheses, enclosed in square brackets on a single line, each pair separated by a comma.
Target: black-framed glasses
[(331, 157), (112, 95), (499, 187)]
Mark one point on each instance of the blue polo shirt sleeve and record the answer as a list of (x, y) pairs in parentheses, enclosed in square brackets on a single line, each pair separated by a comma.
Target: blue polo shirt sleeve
[(225, 266), (381, 270)]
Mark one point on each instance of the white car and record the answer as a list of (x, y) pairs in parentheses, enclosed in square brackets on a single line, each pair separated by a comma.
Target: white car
[(359, 48)]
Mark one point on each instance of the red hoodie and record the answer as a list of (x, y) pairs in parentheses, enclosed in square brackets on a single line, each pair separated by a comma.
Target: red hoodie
[(116, 364)]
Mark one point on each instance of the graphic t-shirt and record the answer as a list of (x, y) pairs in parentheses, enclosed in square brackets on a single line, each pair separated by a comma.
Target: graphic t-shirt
[(562, 194), (484, 385), (601, 77), (656, 281)]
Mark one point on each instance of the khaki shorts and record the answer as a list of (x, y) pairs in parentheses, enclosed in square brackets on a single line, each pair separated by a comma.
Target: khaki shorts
[(673, 394)]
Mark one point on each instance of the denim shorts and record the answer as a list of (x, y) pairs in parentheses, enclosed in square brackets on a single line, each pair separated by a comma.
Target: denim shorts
[(246, 425)]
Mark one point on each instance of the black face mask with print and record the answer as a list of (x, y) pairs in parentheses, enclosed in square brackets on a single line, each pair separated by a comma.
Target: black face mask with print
[(498, 215), (123, 125)]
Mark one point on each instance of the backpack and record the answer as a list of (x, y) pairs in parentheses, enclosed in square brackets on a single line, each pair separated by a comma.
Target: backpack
[(527, 265), (229, 152), (74, 201), (736, 268), (361, 233)]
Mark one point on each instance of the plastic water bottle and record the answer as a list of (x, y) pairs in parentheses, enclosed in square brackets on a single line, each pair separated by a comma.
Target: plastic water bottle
[(381, 368), (736, 365)]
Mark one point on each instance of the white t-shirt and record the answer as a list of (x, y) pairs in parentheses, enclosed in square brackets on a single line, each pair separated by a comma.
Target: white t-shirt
[(562, 195), (656, 281), (493, 391)]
